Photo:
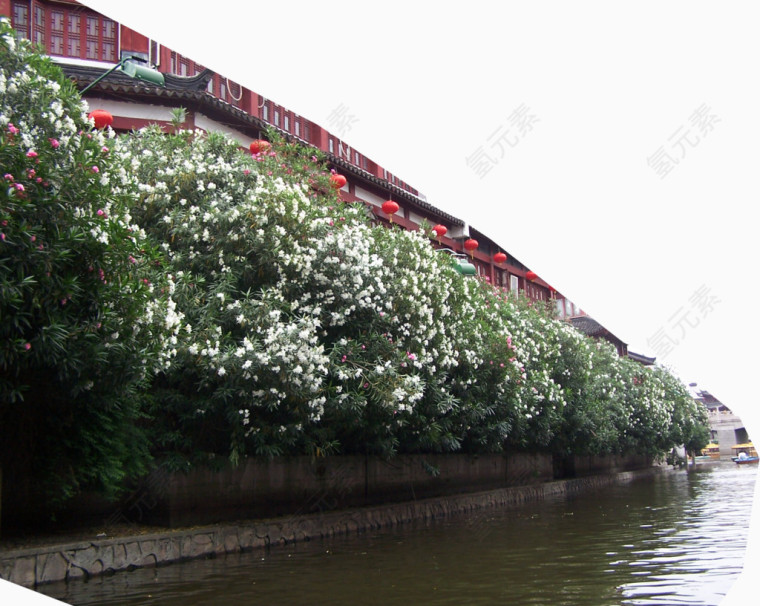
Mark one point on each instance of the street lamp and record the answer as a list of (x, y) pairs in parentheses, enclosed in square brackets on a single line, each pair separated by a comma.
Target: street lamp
[(133, 70)]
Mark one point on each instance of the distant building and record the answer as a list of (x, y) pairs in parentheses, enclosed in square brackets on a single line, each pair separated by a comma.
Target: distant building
[(726, 428)]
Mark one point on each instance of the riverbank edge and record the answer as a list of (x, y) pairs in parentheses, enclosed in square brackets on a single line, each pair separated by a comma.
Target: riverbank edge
[(35, 566)]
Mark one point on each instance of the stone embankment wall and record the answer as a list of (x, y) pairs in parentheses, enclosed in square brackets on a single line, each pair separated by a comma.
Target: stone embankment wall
[(30, 567), (301, 485), (298, 485)]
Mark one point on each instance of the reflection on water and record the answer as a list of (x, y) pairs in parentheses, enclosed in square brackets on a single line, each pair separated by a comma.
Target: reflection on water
[(673, 539)]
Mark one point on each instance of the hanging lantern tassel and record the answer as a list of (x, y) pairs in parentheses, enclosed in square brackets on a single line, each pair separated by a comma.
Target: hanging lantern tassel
[(470, 245), (390, 208)]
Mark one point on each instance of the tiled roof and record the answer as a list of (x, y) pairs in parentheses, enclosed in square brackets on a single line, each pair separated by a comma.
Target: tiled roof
[(179, 88), (592, 328), (646, 361)]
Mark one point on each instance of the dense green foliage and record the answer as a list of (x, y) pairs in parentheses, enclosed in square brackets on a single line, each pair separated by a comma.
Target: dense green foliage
[(172, 290), (308, 329), (75, 340)]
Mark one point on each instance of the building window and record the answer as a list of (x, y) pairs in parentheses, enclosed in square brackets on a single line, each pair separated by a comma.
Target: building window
[(331, 146), (286, 122), (500, 277), (75, 36), (560, 308), (514, 284), (56, 33), (297, 126), (20, 20), (39, 26), (153, 53), (108, 45), (356, 158), (277, 117), (92, 38), (265, 112)]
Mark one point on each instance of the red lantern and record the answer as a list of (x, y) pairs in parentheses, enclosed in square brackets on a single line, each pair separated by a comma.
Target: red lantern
[(102, 118), (440, 230), (260, 146), (531, 275), (470, 245), (337, 180), (390, 208), (500, 257)]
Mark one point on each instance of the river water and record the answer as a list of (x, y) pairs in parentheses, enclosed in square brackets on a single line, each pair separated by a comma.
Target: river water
[(674, 538)]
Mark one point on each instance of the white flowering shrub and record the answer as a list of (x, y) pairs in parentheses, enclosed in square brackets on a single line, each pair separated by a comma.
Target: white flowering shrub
[(81, 325), (307, 329), (172, 290)]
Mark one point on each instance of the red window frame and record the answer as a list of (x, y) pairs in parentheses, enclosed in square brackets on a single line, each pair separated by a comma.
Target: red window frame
[(67, 31)]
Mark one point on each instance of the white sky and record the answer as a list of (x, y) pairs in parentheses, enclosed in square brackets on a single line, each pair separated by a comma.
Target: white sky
[(574, 198)]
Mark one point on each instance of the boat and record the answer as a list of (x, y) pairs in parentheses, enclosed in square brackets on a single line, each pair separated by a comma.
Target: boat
[(711, 451), (744, 454)]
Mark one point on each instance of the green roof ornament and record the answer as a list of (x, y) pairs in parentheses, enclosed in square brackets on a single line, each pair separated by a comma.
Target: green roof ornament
[(131, 66)]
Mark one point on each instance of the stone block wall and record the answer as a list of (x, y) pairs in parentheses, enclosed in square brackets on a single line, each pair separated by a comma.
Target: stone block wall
[(30, 567), (302, 485)]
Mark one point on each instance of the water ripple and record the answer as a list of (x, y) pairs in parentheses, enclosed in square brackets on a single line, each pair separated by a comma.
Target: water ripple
[(677, 539)]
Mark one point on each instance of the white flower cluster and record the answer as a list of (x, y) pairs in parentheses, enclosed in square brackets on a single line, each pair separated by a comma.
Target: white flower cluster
[(292, 302)]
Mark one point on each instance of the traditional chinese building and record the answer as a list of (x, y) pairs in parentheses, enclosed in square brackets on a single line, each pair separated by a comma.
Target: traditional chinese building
[(87, 44)]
